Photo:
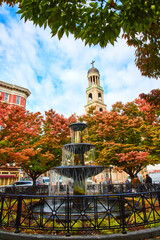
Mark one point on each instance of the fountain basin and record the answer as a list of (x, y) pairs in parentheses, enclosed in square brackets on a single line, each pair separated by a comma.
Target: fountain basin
[(78, 126), (78, 148), (83, 171)]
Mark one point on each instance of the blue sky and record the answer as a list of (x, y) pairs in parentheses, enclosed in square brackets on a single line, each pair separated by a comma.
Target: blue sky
[(56, 71)]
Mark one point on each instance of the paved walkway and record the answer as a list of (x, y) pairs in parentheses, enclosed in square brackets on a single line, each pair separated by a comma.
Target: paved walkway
[(156, 238), (147, 234)]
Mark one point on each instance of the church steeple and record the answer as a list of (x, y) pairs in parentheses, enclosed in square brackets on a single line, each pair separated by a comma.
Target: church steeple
[(94, 91)]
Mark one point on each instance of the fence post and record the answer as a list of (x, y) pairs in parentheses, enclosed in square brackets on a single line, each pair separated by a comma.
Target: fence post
[(122, 212), (121, 187), (19, 211), (158, 194), (1, 213), (68, 211), (95, 213), (42, 201), (144, 208), (100, 188)]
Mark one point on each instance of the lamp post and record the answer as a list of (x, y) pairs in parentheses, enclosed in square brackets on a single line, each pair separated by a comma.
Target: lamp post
[(20, 172), (110, 173)]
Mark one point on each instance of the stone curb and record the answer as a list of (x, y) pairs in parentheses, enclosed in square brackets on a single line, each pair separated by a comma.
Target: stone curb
[(138, 235)]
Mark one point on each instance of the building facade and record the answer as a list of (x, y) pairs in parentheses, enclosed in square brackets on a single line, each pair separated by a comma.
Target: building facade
[(94, 91), (8, 175), (14, 95)]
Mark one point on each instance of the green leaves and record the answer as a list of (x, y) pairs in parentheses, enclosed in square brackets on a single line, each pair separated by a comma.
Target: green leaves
[(100, 22), (60, 33)]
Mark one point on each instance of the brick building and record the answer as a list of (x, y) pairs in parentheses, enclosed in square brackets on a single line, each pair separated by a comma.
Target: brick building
[(13, 94), (16, 95)]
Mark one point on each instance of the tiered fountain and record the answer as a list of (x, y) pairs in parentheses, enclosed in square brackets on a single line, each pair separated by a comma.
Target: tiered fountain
[(76, 159)]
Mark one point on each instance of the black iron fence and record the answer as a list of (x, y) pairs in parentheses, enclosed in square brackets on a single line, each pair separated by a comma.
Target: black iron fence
[(101, 188), (68, 214), (29, 190), (92, 189)]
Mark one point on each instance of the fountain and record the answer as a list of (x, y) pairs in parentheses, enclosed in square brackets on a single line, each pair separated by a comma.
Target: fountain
[(76, 160)]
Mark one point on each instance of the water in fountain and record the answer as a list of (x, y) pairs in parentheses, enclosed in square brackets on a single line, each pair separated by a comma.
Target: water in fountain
[(77, 159)]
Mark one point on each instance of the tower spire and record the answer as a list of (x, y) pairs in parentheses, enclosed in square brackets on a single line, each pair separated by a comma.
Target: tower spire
[(94, 91), (92, 63)]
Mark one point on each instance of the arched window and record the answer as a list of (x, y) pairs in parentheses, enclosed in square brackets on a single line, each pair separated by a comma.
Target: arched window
[(90, 97), (93, 79), (99, 96), (101, 110)]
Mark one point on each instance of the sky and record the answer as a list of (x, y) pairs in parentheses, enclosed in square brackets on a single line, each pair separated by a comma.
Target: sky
[(56, 71)]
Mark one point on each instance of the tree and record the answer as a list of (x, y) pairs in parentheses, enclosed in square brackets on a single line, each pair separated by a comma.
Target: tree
[(124, 137), (9, 120), (147, 46), (153, 99), (133, 162), (101, 22), (35, 140), (149, 105)]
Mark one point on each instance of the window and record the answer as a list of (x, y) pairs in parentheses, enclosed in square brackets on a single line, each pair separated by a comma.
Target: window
[(94, 79), (6, 97), (18, 100), (90, 97), (99, 96), (101, 110)]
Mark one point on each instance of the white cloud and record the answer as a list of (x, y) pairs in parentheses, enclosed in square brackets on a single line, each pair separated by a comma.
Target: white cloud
[(56, 71)]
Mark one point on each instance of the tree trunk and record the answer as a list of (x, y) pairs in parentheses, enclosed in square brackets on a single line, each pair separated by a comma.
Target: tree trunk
[(34, 185)]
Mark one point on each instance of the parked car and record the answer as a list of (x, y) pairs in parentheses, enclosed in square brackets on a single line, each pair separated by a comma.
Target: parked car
[(46, 180), (18, 187), (22, 183), (43, 180)]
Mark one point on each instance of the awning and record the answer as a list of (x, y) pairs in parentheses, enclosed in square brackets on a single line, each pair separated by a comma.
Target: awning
[(7, 176)]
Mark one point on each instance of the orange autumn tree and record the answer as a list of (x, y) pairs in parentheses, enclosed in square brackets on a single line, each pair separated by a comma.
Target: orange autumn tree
[(35, 139), (56, 132), (10, 119), (123, 130), (149, 104), (45, 150), (133, 162)]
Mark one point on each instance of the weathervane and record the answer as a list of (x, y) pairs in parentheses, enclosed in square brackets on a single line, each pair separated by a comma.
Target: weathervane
[(92, 63)]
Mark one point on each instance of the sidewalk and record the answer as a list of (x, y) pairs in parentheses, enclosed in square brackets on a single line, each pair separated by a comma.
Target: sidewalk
[(147, 234)]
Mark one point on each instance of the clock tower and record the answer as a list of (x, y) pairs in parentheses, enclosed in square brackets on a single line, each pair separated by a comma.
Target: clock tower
[(94, 91)]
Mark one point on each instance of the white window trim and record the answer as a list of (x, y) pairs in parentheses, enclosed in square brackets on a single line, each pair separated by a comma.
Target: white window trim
[(18, 102), (6, 100)]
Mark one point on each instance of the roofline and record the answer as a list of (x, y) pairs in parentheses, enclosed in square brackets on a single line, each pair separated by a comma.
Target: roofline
[(15, 87)]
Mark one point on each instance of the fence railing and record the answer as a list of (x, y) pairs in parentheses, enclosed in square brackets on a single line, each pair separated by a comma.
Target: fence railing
[(28, 190), (69, 214), (92, 189)]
